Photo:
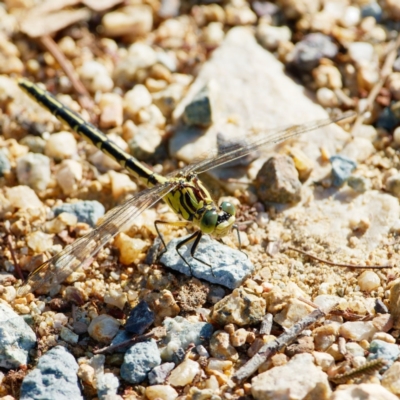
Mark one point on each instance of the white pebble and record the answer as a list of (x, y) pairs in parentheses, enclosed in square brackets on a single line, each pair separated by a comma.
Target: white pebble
[(116, 298), (163, 392), (361, 52), (111, 109), (8, 293), (184, 373), (351, 17), (271, 37), (103, 328), (136, 99), (61, 145), (121, 184), (39, 241), (327, 97), (23, 197), (96, 76), (358, 330), (396, 135), (368, 281), (130, 248), (34, 170), (69, 175)]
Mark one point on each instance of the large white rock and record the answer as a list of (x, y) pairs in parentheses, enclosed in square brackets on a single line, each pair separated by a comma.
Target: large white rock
[(298, 379), (365, 391)]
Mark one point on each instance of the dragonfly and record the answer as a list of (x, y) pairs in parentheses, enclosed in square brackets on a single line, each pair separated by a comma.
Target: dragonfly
[(183, 192)]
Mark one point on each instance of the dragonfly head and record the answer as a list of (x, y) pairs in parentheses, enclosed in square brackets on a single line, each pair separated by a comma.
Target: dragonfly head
[(218, 223)]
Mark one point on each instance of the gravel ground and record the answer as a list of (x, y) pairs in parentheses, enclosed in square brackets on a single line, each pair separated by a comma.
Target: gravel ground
[(313, 310)]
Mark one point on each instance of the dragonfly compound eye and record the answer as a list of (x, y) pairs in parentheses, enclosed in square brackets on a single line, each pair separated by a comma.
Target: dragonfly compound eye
[(209, 221), (228, 207)]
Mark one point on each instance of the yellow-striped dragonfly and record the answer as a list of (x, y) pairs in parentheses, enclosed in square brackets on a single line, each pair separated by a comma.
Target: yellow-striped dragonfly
[(183, 192)]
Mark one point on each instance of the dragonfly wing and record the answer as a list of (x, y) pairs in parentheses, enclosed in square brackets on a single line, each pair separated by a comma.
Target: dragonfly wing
[(58, 268), (237, 151)]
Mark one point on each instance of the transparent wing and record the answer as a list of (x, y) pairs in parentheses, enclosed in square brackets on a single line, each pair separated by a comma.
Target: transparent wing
[(58, 268), (240, 150)]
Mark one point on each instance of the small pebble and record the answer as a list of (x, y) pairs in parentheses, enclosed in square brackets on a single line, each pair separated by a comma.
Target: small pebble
[(116, 297), (368, 281), (139, 360), (140, 318), (396, 136), (184, 373), (33, 170), (107, 385), (387, 351), (39, 241), (95, 76), (135, 20), (61, 145), (5, 165), (361, 52), (327, 97), (387, 119), (342, 167), (130, 249), (372, 9), (323, 360), (136, 99), (158, 375), (103, 328), (358, 330), (69, 336), (385, 337), (393, 185), (351, 17), (380, 307), (238, 338), (161, 392), (86, 211), (221, 348), (278, 181), (201, 109), (390, 379), (145, 143), (111, 109), (355, 349), (69, 175), (271, 37), (359, 183), (307, 52), (241, 308)]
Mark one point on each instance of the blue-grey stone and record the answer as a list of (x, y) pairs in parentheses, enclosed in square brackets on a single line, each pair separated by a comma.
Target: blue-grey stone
[(5, 165), (107, 385), (359, 183), (199, 110), (183, 332), (158, 375), (372, 10), (54, 378), (139, 360), (120, 337), (342, 167), (140, 318), (36, 144), (387, 119), (380, 307), (16, 339), (314, 46), (86, 211), (230, 267), (387, 351)]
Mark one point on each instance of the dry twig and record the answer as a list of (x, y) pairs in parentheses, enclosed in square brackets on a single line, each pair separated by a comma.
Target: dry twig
[(271, 348), (339, 264)]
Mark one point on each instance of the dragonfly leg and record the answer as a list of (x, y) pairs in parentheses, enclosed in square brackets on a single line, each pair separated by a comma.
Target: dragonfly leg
[(236, 228), (175, 223), (193, 249), (182, 243)]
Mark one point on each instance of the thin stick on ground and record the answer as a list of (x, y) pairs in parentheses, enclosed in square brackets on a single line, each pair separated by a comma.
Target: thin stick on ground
[(67, 67), (271, 348), (385, 72), (334, 264), (156, 333), (15, 261)]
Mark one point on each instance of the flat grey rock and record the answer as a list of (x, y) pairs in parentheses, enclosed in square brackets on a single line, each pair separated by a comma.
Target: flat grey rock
[(255, 93), (88, 211), (54, 378), (16, 339), (230, 266)]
